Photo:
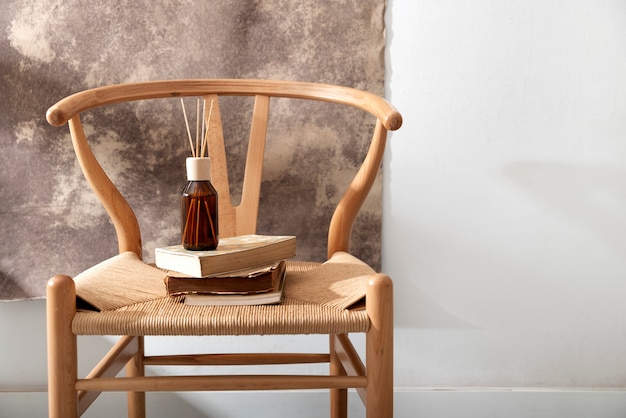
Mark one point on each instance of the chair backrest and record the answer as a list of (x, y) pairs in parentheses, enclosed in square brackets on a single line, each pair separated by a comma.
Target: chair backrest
[(234, 219)]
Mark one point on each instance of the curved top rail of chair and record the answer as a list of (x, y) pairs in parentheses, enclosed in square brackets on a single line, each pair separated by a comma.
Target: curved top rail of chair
[(72, 105)]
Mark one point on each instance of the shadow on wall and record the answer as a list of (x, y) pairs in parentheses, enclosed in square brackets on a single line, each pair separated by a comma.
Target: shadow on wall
[(416, 309), (591, 196), (10, 286), (587, 198)]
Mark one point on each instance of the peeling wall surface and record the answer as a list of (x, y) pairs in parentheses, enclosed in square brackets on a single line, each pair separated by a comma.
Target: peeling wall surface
[(51, 222)]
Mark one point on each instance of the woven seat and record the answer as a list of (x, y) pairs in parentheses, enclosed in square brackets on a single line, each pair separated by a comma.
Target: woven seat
[(167, 316), (300, 312), (125, 296)]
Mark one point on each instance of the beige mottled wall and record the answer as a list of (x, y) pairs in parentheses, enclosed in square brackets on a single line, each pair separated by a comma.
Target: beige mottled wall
[(50, 221)]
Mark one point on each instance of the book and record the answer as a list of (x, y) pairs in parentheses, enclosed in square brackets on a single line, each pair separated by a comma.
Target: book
[(273, 296), (232, 253), (254, 280)]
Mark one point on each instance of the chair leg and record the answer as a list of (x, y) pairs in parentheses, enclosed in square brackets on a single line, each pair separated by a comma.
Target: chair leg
[(62, 355), (379, 348), (338, 397), (135, 368)]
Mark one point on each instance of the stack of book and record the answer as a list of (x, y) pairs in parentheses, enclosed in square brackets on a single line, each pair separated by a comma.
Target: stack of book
[(242, 270)]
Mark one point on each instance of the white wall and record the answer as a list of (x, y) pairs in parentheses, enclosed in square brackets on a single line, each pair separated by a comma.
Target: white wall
[(504, 224), (505, 216)]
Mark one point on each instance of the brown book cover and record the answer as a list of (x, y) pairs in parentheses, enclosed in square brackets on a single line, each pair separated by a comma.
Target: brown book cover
[(254, 280), (271, 297)]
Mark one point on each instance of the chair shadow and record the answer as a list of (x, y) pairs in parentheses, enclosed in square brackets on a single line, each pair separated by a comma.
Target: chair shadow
[(416, 309), (593, 197)]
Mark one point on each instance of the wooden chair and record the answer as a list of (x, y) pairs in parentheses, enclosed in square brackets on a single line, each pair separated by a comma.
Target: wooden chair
[(372, 377)]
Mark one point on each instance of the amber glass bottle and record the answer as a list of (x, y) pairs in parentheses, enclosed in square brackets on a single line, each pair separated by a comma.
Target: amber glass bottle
[(198, 204)]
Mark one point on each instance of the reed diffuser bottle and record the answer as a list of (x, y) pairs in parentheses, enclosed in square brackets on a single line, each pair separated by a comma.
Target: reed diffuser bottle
[(198, 203)]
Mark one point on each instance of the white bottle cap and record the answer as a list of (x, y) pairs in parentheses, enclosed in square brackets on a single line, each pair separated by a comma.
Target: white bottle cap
[(198, 169)]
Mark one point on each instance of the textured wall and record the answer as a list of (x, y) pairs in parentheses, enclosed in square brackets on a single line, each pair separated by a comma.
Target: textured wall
[(51, 223)]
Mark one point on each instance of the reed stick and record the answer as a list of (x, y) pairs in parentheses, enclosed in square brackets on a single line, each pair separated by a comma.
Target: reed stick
[(182, 103), (198, 127), (198, 224), (203, 113), (208, 211), (187, 223), (206, 133)]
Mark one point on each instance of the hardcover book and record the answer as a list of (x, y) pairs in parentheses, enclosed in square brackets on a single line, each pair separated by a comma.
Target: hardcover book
[(232, 253), (272, 296), (246, 281)]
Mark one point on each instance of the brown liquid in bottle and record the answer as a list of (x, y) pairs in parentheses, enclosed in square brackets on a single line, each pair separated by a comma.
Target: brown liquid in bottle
[(199, 216), (198, 208)]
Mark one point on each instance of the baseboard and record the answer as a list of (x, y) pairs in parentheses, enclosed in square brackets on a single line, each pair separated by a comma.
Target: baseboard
[(409, 403), (510, 403)]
